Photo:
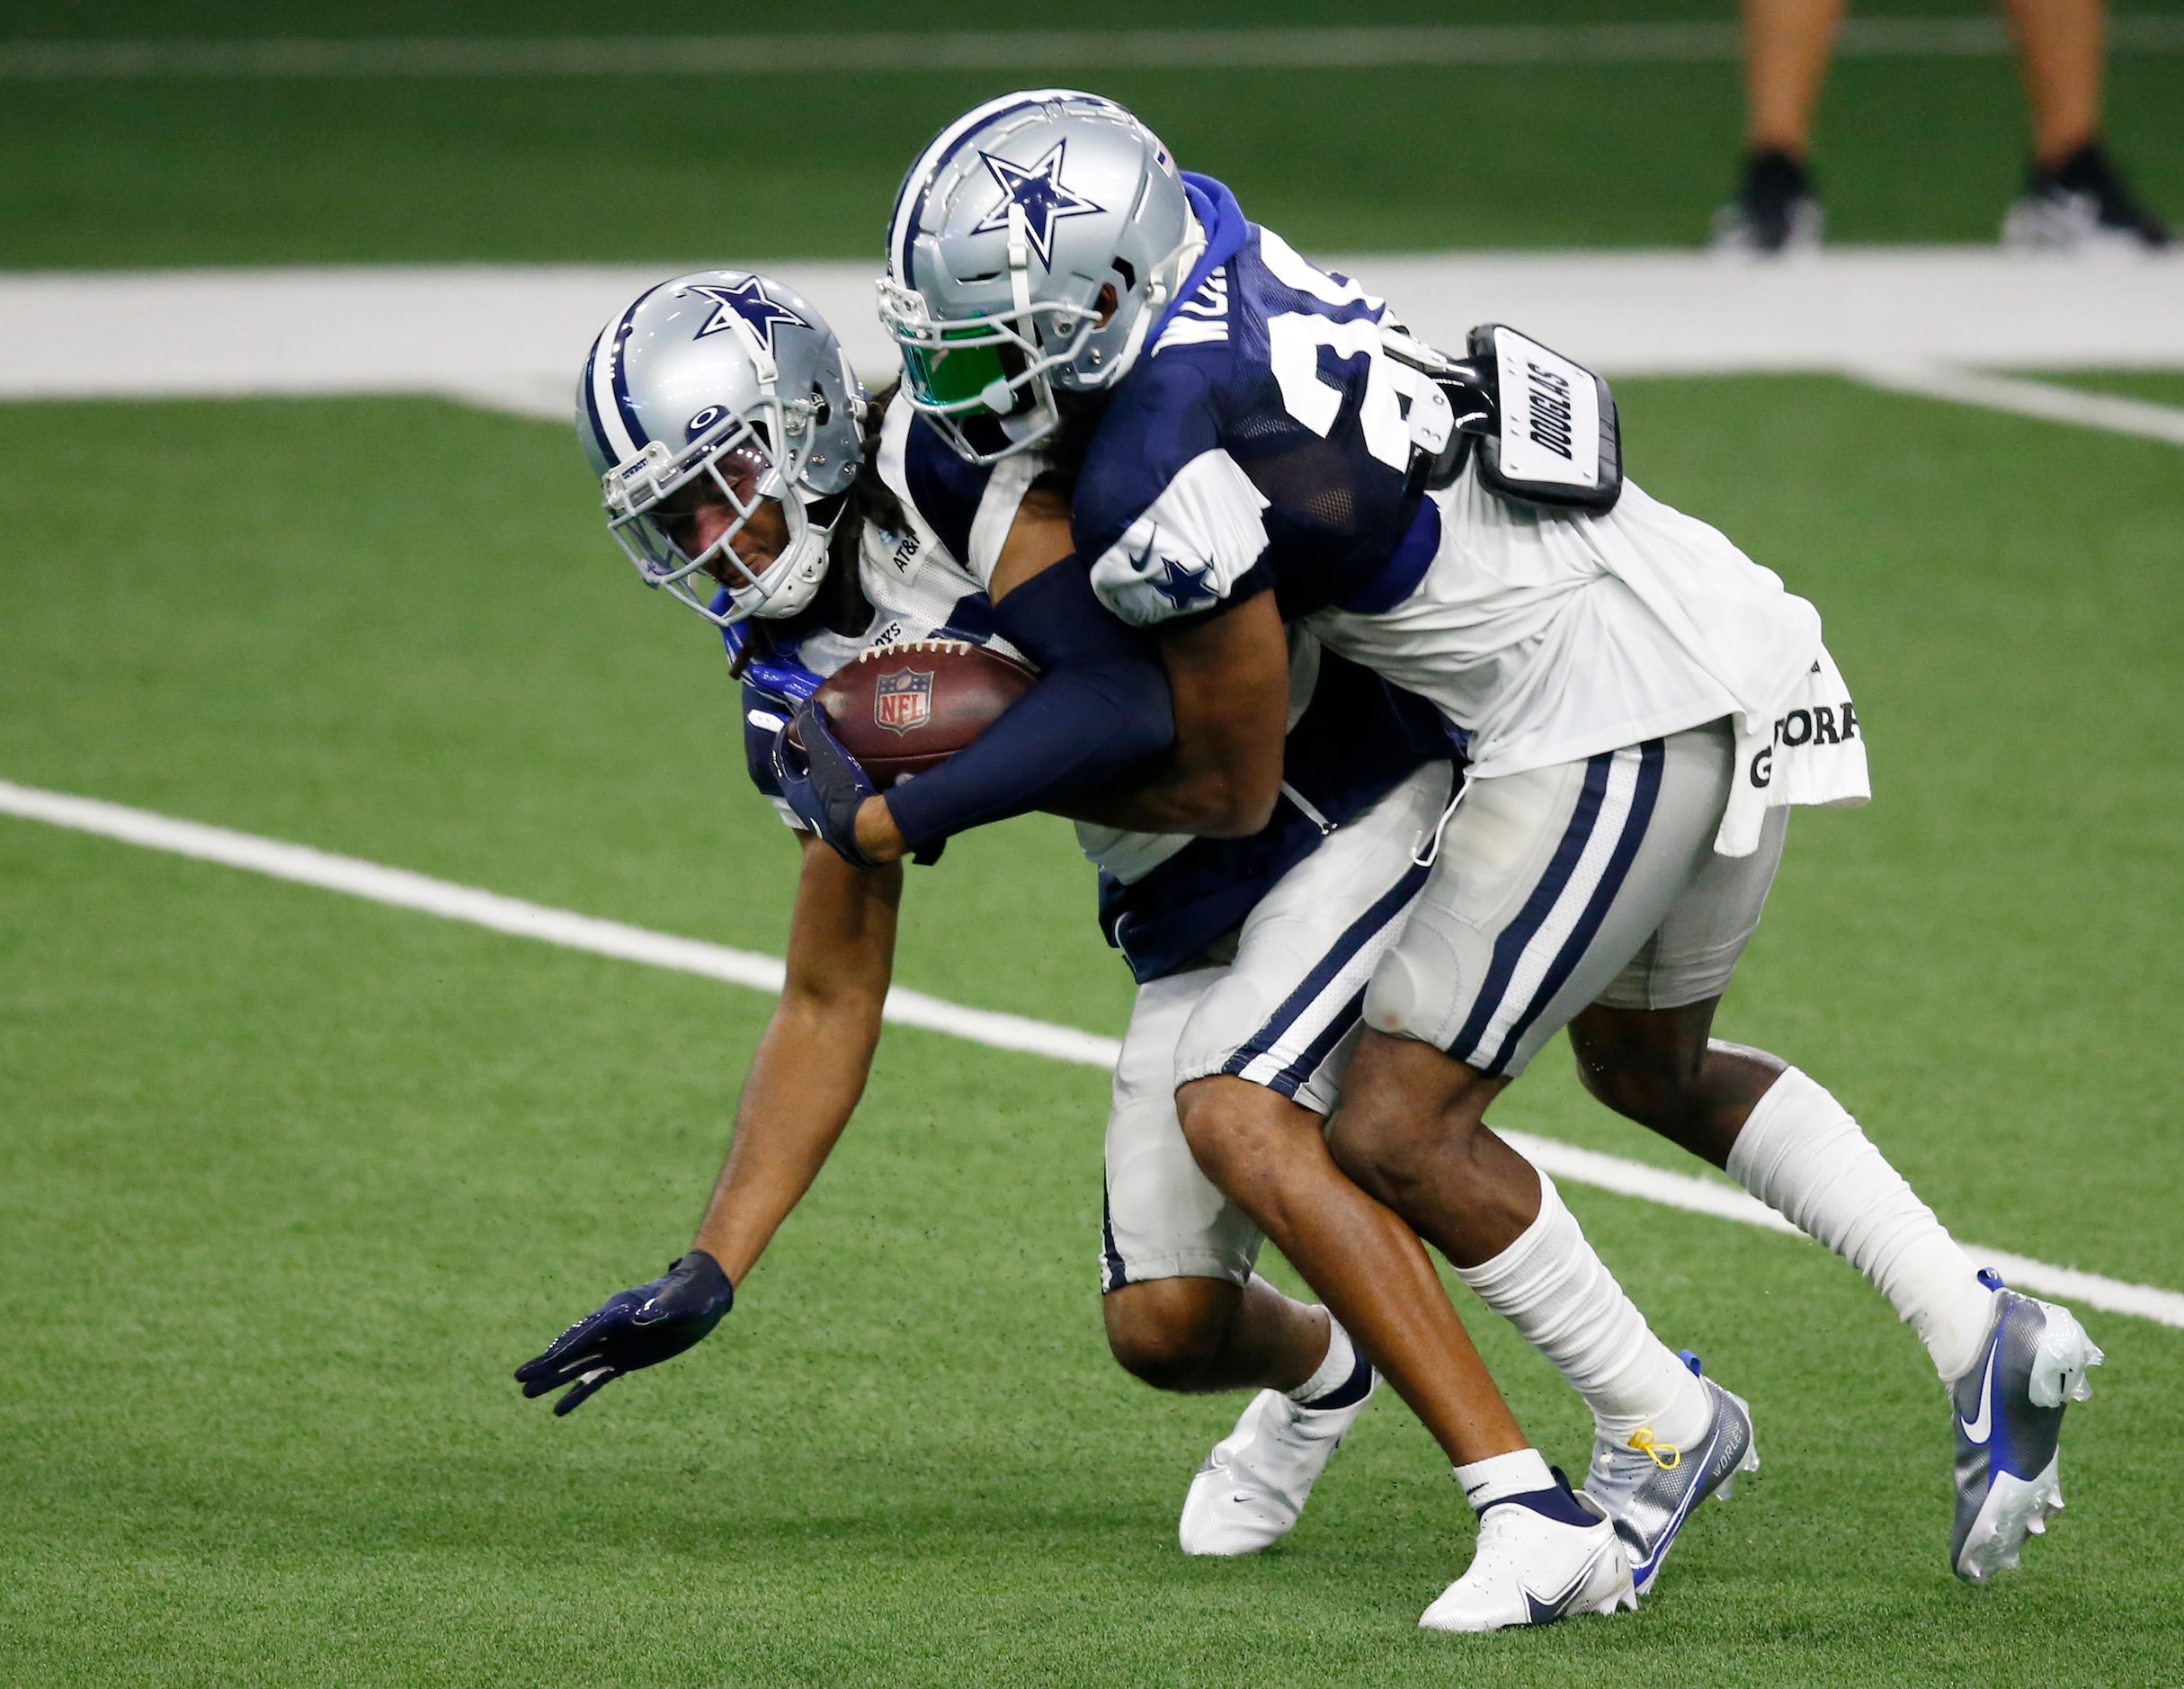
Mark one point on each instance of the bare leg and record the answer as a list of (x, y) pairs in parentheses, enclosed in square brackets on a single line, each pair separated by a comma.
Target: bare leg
[(1786, 46), (1412, 1131), (1203, 1335), (1802, 1153), (2061, 55), (1662, 1068), (1269, 1157)]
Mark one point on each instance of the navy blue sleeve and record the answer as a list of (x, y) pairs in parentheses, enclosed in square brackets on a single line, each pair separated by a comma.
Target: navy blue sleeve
[(1101, 703), (1159, 420)]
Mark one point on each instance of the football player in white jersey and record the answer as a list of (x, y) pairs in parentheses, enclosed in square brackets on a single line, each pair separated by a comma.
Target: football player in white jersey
[(1256, 441), (745, 473)]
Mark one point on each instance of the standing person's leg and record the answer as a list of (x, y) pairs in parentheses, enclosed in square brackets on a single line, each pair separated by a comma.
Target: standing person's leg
[(1547, 882), (2075, 198), (1788, 44), (2062, 56)]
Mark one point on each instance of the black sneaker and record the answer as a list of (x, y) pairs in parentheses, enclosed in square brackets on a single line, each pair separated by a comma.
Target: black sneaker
[(2082, 205), (1777, 209)]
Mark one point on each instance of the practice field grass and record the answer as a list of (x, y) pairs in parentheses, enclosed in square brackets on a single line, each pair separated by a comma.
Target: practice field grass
[(288, 1183), (686, 169)]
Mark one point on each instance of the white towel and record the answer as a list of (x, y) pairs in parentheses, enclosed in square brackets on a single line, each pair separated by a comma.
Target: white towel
[(1813, 751)]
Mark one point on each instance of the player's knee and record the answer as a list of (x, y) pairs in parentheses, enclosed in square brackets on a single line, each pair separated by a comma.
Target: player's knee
[(1168, 1332), (1235, 1130), (1643, 1092), (1401, 1116), (1645, 1066), (1385, 1154)]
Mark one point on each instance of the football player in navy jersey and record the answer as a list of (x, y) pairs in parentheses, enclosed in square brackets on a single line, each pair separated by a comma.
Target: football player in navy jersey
[(745, 473), (1255, 442)]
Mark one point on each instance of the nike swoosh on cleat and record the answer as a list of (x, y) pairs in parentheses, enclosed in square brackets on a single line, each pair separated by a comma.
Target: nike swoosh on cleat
[(1979, 1429), (1548, 1611)]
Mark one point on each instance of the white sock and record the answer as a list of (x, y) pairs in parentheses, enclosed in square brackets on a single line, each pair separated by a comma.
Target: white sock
[(1495, 1479), (1802, 1155), (1336, 1369), (1560, 1295)]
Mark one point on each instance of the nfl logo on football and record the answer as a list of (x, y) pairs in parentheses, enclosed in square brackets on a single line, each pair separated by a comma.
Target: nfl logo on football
[(901, 701)]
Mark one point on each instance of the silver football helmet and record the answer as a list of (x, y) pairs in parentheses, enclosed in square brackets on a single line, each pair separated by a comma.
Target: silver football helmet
[(711, 397), (1005, 233)]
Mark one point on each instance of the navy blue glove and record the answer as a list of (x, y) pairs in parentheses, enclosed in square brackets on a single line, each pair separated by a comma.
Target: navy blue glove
[(632, 1329), (823, 783)]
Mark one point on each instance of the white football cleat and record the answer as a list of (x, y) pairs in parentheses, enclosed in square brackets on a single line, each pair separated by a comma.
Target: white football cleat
[(1257, 1479), (1531, 1569)]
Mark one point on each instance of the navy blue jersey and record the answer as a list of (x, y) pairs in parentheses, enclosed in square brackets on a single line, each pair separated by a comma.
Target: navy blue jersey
[(1165, 898), (1263, 439)]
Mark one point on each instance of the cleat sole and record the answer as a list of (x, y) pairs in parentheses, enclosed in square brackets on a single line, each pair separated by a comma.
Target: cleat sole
[(2015, 1508)]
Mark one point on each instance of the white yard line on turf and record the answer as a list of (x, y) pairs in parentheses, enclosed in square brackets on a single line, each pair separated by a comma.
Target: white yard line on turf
[(402, 889), (406, 890), (511, 338), (2039, 399), (910, 53)]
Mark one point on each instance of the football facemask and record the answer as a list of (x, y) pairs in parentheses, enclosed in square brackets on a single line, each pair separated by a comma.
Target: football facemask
[(726, 427), (995, 369), (679, 518)]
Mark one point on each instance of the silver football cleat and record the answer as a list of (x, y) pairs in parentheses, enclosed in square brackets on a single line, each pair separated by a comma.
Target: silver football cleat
[(1650, 1488), (2009, 1417)]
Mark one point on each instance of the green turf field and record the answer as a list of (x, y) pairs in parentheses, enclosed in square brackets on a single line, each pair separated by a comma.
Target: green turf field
[(289, 1182), (692, 169)]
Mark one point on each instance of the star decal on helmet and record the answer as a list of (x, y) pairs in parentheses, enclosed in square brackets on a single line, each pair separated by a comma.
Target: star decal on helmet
[(748, 299), (1174, 580), (1039, 192)]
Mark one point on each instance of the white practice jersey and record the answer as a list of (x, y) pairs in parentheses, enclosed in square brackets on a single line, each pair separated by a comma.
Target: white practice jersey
[(1549, 636)]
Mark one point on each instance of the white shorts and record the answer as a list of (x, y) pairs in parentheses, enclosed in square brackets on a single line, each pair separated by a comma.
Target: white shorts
[(1284, 1013), (1592, 882)]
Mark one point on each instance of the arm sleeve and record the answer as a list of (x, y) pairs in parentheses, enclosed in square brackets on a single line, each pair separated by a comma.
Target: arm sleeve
[(1101, 703)]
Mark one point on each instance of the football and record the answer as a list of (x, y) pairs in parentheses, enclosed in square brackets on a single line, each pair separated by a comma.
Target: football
[(904, 709)]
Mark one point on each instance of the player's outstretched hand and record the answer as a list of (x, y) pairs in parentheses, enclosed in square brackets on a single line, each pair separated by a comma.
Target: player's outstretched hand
[(823, 783), (635, 1329)]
